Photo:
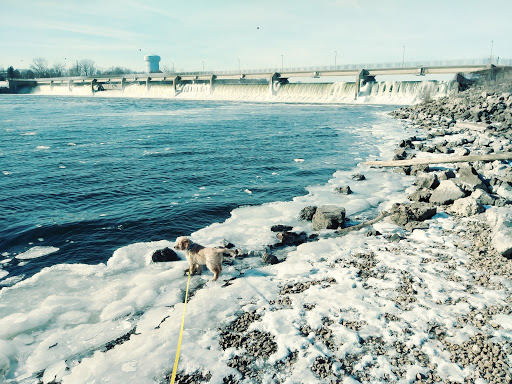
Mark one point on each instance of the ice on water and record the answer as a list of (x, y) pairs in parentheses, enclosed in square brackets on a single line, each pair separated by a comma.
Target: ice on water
[(35, 252)]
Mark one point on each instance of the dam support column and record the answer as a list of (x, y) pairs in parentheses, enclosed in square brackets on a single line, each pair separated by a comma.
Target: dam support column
[(12, 85), (271, 83), (212, 77), (174, 84), (123, 84), (359, 76), (70, 85), (92, 85), (148, 85), (51, 85)]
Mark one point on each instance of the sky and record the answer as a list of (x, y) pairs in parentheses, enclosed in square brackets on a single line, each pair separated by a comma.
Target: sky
[(228, 34)]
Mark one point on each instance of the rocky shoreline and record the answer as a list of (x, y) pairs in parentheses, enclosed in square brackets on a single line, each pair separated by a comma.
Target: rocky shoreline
[(478, 196), (418, 293)]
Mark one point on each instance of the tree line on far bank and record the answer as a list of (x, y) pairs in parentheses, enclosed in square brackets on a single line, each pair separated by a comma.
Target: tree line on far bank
[(40, 68)]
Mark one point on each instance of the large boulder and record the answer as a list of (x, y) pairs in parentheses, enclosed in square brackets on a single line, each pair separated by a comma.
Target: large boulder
[(428, 181), (500, 221), (344, 190), (505, 191), (467, 206), (401, 214), (421, 195), (163, 255), (470, 179), (483, 197), (307, 213), (446, 193), (329, 217)]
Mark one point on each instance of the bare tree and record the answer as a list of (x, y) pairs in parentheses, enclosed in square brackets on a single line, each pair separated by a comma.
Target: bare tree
[(168, 69), (116, 71), (88, 67), (75, 70), (40, 67), (58, 70)]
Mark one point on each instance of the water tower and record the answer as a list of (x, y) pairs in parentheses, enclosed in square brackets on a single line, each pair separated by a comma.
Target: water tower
[(152, 63)]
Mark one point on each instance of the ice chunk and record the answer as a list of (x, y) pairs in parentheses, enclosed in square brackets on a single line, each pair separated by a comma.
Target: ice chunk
[(35, 252)]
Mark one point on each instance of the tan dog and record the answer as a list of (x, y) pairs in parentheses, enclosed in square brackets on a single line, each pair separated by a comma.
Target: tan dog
[(197, 256)]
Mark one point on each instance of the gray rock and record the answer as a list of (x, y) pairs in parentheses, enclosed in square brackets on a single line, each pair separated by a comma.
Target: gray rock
[(428, 181), (446, 193), (415, 169), (401, 214), (281, 228), (269, 259), (470, 178), (445, 175), (505, 191), (412, 225), (500, 221), (394, 238), (420, 195), (373, 232), (400, 154), (307, 213), (328, 217), (483, 197), (466, 207), (164, 255), (292, 238), (345, 190), (358, 177)]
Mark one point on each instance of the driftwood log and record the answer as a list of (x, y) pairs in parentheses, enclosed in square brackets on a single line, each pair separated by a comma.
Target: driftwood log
[(441, 160), (342, 231)]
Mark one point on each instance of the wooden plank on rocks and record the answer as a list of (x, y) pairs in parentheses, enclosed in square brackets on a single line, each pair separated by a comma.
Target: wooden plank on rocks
[(471, 126), (441, 160)]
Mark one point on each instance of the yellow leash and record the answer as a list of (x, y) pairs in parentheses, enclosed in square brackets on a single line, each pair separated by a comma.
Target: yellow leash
[(177, 358)]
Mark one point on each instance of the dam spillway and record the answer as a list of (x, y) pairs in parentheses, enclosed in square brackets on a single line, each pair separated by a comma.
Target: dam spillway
[(384, 92)]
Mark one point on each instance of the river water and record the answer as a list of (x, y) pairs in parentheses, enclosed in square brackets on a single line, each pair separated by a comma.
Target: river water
[(84, 176)]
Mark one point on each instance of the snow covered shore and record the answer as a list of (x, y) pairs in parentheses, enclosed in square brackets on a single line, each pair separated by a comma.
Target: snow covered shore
[(430, 303)]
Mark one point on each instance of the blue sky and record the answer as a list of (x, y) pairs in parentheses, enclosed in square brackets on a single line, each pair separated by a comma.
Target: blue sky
[(223, 33)]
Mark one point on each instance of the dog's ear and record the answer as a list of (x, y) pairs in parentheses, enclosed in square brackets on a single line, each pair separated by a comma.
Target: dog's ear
[(182, 243), (179, 243)]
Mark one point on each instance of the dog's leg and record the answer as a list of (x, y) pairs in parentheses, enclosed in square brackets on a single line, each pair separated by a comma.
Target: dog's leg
[(216, 269)]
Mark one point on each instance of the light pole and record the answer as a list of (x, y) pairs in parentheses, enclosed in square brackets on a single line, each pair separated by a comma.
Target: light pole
[(239, 67), (403, 56), (203, 64), (335, 55), (490, 56), (282, 62)]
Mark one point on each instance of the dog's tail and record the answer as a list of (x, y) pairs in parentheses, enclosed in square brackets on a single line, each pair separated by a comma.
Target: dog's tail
[(232, 252)]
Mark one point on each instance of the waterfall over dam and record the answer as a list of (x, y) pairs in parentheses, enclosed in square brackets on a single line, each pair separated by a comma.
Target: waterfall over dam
[(383, 92)]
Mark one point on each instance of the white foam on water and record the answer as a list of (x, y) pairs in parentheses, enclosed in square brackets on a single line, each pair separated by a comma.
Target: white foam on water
[(35, 252)]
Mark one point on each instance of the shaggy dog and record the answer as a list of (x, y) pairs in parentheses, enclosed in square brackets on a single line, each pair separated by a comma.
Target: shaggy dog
[(197, 256)]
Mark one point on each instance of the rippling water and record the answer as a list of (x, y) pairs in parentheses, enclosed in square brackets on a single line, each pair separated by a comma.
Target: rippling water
[(88, 175)]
